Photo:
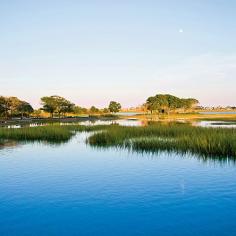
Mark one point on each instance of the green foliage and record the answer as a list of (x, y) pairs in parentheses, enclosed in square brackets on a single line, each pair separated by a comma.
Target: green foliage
[(114, 107), (209, 142), (189, 103), (25, 108), (167, 102), (49, 133), (3, 106), (13, 106), (172, 137), (56, 104)]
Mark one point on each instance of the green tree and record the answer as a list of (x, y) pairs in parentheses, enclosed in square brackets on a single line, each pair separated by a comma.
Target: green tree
[(13, 106), (3, 106), (157, 103), (9, 106), (167, 102), (56, 104), (64, 106), (24, 108), (49, 105), (189, 103), (114, 107)]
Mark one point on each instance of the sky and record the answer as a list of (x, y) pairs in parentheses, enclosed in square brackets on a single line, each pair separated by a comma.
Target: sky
[(95, 51)]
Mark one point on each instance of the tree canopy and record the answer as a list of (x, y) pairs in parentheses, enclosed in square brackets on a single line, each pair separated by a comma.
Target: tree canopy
[(56, 105), (25, 108), (13, 106), (114, 107), (60, 106), (167, 102)]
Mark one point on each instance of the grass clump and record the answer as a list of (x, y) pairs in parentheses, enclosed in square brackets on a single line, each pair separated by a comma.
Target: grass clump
[(172, 137), (45, 133), (50, 133)]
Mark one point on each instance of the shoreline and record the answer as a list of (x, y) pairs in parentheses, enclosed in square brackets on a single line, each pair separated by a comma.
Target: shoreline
[(144, 117), (176, 117)]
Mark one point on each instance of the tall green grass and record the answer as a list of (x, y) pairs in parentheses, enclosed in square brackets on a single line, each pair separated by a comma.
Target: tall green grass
[(153, 138), (172, 137), (47, 133), (50, 133)]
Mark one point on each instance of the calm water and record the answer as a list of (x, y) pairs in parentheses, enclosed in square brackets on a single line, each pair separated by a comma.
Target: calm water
[(136, 122), (72, 189), (215, 124)]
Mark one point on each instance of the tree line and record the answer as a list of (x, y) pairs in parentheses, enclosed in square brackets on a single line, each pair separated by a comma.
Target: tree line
[(58, 106), (53, 105), (13, 106)]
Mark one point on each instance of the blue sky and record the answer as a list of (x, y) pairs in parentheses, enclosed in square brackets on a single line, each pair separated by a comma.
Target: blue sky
[(92, 51)]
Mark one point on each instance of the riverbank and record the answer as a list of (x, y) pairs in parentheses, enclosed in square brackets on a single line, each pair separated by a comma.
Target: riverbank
[(27, 121), (185, 117), (144, 119)]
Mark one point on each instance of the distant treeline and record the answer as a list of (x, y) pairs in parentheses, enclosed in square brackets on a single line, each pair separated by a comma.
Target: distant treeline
[(57, 106), (53, 105)]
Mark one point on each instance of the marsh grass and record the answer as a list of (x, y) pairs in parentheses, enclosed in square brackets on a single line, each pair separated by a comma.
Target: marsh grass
[(50, 133), (47, 133), (172, 137)]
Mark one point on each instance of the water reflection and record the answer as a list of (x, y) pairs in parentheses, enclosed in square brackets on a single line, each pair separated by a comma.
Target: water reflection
[(134, 122), (9, 144), (215, 124), (81, 139)]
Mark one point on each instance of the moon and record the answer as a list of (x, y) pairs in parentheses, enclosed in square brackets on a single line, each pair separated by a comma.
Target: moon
[(181, 31)]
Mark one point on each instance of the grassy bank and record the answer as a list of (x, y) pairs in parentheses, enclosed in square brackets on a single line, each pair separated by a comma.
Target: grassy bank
[(50, 133), (187, 116), (171, 137), (25, 122)]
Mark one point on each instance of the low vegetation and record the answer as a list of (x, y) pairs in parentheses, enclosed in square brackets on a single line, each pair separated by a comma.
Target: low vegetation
[(172, 137), (50, 133), (164, 103), (181, 138)]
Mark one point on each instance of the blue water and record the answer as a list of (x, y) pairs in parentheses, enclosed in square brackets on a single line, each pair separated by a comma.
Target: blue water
[(72, 189)]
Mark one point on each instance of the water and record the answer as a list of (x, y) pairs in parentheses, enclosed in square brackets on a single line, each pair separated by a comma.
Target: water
[(123, 122), (132, 122), (73, 189), (215, 124)]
